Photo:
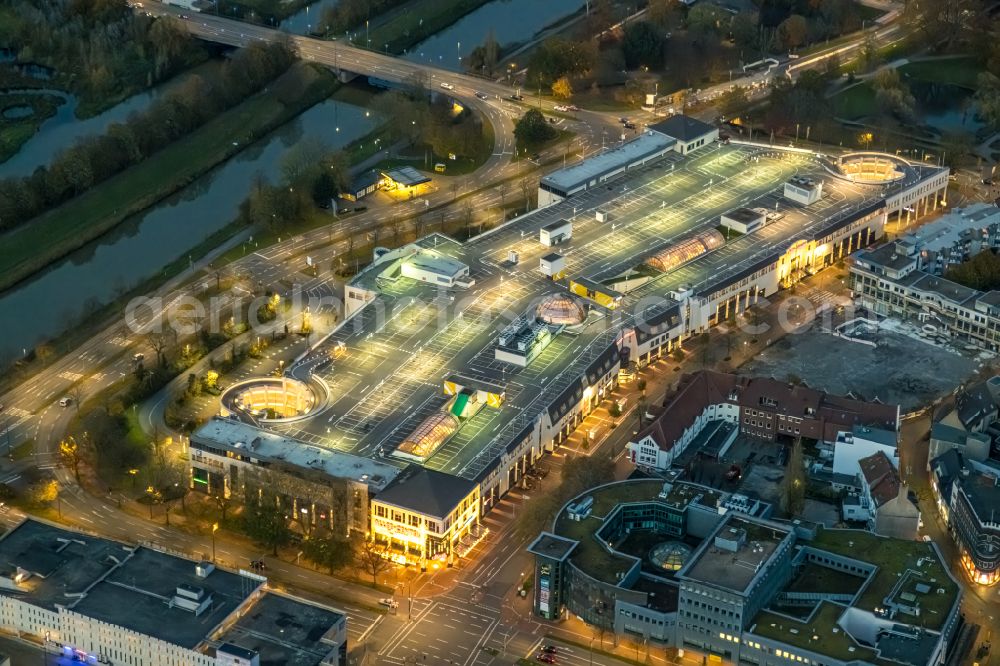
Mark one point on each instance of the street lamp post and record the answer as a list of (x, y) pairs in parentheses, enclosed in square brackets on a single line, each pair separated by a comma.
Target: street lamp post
[(215, 528)]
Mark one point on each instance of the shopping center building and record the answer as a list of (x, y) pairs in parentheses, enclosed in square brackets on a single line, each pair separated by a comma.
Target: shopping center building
[(473, 360)]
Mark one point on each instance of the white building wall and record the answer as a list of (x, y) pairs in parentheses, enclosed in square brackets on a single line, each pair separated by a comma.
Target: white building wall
[(17, 617), (848, 450), (646, 451), (546, 198), (102, 640)]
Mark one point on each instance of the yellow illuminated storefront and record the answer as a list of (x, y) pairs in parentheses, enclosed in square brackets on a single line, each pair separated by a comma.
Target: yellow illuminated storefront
[(428, 518), (977, 576)]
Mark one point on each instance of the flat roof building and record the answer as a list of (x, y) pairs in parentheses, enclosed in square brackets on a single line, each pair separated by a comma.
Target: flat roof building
[(602, 167), (405, 176), (287, 631), (102, 601), (421, 333), (435, 268), (226, 454), (736, 554), (678, 563)]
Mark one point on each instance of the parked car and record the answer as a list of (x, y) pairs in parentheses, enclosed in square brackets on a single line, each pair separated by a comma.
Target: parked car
[(623, 120), (447, 86), (388, 603), (517, 98)]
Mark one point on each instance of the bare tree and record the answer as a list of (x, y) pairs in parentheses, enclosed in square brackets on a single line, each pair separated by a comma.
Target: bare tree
[(75, 393), (468, 215), (223, 504), (158, 342), (526, 192), (373, 557)]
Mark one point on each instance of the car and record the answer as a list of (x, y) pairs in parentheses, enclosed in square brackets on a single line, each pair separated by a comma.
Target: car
[(560, 107), (549, 649), (185, 16), (440, 167), (517, 98), (546, 658), (447, 86), (65, 402), (623, 120), (388, 603), (629, 125), (573, 107), (481, 95), (138, 357)]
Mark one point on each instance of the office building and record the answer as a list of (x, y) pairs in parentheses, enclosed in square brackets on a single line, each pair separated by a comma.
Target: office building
[(98, 601), (678, 564)]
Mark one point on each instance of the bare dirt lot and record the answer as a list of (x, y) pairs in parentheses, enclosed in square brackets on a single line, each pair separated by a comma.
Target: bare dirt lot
[(900, 370)]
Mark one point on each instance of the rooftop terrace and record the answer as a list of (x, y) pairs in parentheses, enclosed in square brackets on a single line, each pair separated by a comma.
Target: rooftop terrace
[(735, 570), (893, 557), (819, 633), (593, 557)]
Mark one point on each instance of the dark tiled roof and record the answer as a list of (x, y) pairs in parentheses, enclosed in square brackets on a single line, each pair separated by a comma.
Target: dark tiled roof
[(426, 491), (683, 128), (881, 476), (707, 387), (975, 404)]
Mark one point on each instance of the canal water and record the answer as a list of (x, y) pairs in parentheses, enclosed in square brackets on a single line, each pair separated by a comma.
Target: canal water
[(64, 128), (512, 21), (307, 19), (54, 300)]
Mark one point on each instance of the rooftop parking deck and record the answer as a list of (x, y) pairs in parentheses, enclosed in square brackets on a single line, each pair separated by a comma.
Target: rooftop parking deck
[(399, 349)]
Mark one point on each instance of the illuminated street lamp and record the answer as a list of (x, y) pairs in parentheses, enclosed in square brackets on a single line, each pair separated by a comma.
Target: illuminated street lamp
[(215, 528)]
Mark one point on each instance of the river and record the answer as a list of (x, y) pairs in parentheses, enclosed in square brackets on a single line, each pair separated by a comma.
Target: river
[(512, 21), (64, 128), (306, 19), (54, 300)]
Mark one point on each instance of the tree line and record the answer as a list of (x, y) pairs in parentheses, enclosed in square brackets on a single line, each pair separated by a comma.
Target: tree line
[(92, 160), (101, 50), (312, 174), (348, 14)]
